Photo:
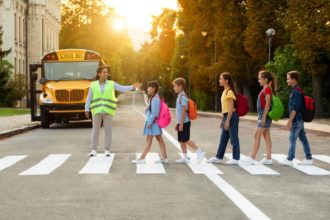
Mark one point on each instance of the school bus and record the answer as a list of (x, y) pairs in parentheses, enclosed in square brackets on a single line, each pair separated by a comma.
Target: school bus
[(64, 80)]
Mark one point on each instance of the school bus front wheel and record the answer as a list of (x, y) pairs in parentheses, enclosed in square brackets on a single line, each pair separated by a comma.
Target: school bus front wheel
[(44, 118)]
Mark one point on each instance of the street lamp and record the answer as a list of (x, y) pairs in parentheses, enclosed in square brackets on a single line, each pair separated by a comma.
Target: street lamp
[(270, 33), (182, 57)]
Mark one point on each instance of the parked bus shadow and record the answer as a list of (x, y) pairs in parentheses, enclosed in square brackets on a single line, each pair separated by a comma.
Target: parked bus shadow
[(71, 125)]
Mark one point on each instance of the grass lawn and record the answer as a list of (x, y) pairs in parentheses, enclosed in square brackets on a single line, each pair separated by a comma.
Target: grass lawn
[(13, 111)]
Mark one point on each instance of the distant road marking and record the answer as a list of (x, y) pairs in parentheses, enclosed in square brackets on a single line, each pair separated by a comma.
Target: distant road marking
[(47, 165), (8, 161)]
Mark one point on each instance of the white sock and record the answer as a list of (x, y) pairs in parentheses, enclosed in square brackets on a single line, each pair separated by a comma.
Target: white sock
[(199, 150), (184, 156)]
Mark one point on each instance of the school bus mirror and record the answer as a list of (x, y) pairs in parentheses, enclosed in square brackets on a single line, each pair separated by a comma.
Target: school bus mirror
[(34, 67), (42, 80)]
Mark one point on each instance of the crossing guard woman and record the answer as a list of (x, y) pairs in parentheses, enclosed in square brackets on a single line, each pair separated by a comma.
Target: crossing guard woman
[(102, 102)]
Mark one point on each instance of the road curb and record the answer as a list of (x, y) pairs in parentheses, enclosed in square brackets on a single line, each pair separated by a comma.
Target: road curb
[(10, 133), (274, 124)]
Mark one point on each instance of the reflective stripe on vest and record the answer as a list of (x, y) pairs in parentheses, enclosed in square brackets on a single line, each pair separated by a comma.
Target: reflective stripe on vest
[(106, 102)]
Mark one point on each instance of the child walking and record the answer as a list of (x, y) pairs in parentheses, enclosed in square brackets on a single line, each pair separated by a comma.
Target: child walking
[(229, 122), (296, 123), (183, 123), (267, 81), (151, 128), (102, 102)]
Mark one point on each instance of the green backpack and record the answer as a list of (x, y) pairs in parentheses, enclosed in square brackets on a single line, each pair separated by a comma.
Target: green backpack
[(277, 110)]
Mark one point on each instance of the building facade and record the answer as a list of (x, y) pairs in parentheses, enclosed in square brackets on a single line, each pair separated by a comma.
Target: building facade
[(31, 28)]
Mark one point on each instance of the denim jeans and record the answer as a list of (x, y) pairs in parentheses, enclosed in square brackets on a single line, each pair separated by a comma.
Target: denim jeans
[(298, 130), (231, 134)]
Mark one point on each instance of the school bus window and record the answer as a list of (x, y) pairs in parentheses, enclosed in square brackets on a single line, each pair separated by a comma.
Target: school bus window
[(70, 70)]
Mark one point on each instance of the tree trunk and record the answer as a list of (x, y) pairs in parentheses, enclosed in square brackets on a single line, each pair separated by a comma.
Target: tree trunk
[(317, 95), (246, 88)]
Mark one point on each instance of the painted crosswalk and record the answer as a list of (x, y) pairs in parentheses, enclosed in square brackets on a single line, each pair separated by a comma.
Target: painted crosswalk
[(102, 165), (257, 169), (10, 160), (98, 165), (150, 167), (310, 170), (47, 165), (323, 158), (202, 167)]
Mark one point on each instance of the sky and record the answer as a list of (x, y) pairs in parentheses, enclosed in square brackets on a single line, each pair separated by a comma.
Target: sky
[(137, 16)]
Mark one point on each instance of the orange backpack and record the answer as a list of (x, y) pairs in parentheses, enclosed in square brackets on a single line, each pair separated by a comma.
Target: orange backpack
[(192, 108)]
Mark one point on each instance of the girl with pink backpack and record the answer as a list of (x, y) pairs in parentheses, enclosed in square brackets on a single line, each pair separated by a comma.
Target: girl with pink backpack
[(152, 125)]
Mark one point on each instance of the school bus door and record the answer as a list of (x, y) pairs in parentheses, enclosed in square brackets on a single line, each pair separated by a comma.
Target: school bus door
[(34, 92)]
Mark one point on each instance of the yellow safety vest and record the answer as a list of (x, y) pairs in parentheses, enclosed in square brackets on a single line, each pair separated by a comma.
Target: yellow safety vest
[(106, 102)]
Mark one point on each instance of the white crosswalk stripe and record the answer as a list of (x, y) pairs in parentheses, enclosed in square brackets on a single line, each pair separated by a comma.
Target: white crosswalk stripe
[(258, 169), (310, 170), (202, 167), (150, 167), (47, 165), (102, 165), (10, 160), (323, 158), (98, 165)]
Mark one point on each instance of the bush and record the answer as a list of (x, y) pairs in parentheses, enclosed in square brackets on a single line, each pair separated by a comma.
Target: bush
[(15, 90)]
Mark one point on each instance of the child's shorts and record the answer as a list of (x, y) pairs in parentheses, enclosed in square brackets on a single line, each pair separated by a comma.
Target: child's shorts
[(268, 123), (184, 135)]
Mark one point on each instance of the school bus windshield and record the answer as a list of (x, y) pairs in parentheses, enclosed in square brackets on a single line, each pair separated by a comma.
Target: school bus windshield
[(70, 70)]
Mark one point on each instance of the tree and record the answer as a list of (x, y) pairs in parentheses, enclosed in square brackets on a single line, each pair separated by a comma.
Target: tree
[(286, 59), (89, 24), (310, 20)]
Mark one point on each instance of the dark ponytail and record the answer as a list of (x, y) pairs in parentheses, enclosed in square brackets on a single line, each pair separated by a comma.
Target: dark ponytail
[(227, 76)]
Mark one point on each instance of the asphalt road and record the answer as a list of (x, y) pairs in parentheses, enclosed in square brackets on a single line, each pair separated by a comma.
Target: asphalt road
[(179, 193)]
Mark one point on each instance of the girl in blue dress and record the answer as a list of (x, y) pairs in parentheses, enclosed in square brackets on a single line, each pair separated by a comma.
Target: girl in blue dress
[(151, 128)]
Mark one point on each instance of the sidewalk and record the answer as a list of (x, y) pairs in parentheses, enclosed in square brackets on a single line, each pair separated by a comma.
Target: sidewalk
[(313, 127), (11, 125)]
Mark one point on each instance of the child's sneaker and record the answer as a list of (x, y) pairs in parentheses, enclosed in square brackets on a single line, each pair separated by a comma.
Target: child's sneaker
[(93, 153), (138, 161), (200, 155), (107, 153), (215, 160), (266, 161), (249, 161), (182, 160), (232, 162), (286, 162), (306, 162), (164, 161)]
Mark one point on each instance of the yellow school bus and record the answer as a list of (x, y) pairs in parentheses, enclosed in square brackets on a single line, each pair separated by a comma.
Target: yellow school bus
[(64, 78)]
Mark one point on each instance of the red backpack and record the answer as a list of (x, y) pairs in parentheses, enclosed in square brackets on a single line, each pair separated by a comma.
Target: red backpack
[(309, 107), (241, 104)]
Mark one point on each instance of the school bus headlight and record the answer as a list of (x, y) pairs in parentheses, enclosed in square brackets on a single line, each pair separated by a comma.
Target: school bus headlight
[(46, 100)]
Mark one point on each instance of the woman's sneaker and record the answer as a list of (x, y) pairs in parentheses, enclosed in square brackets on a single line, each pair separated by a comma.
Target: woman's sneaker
[(232, 162), (286, 162), (306, 162), (164, 161), (93, 153), (182, 160), (215, 160), (249, 161), (138, 161), (266, 161)]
